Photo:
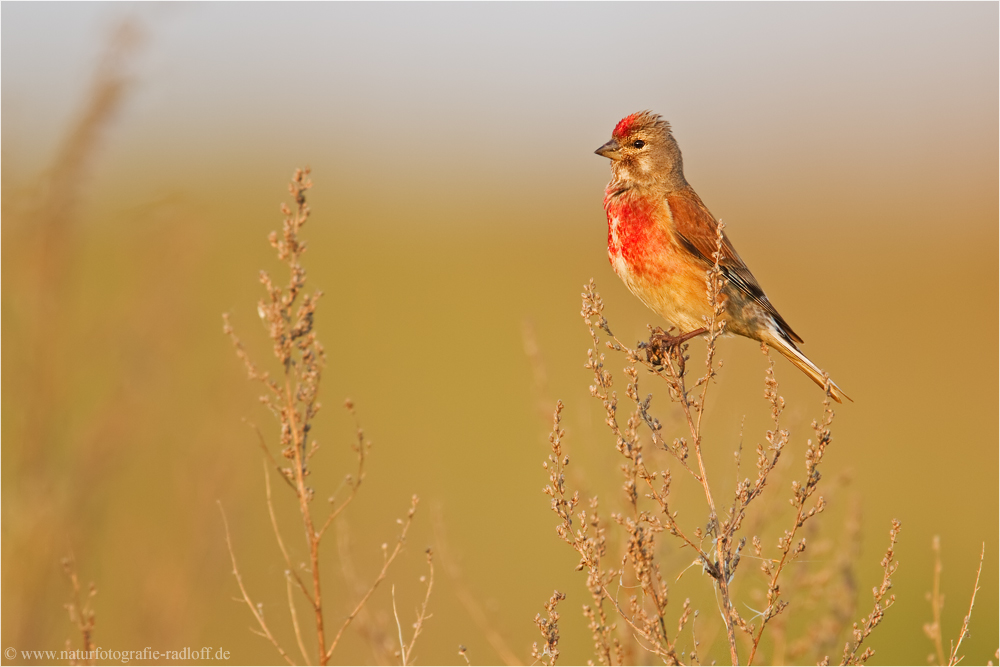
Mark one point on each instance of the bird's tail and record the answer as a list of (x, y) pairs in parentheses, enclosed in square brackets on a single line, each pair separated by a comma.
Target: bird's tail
[(801, 361)]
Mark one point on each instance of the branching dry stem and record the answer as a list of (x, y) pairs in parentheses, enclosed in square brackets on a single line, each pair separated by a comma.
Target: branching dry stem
[(863, 629), (288, 314), (644, 613)]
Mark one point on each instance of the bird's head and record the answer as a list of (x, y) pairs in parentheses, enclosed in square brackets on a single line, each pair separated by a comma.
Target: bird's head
[(643, 152)]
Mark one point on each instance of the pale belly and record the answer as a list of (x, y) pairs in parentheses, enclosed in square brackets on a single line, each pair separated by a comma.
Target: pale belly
[(668, 284)]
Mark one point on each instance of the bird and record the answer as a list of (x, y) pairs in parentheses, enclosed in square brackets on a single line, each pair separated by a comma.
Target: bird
[(662, 242)]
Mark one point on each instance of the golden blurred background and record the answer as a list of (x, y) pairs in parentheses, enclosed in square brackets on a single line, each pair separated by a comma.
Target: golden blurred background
[(850, 148)]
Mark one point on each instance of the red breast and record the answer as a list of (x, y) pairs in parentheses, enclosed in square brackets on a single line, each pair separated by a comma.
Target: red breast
[(639, 242)]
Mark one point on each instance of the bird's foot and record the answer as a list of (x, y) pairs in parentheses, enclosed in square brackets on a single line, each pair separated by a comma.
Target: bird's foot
[(662, 342)]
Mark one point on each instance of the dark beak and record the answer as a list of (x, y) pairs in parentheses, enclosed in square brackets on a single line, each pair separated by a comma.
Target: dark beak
[(612, 150)]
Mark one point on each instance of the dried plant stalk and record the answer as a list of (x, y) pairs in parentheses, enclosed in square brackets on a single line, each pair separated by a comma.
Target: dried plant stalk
[(790, 545), (649, 515), (406, 649), (953, 657), (864, 628), (288, 313), (81, 615), (549, 627), (933, 629)]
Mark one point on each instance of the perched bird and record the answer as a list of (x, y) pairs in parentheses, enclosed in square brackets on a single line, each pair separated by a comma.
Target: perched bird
[(662, 240)]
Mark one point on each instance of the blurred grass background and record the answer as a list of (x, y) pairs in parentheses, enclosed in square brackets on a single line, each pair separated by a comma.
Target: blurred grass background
[(851, 150)]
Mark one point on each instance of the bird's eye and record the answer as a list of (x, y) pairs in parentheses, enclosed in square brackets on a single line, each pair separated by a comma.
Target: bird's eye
[(638, 143)]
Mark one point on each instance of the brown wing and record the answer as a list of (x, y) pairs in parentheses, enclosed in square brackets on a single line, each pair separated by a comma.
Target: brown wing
[(696, 228)]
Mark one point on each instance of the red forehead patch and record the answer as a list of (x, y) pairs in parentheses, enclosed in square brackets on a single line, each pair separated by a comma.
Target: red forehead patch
[(624, 126)]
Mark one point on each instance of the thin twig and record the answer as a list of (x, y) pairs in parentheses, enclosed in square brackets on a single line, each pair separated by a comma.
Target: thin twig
[(387, 561), (269, 455), (281, 544), (373, 629), (355, 482), (953, 659), (81, 612), (399, 627), (295, 617), (254, 609), (933, 629), (422, 615)]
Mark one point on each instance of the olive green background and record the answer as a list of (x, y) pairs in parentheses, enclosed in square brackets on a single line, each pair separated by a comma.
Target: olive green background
[(851, 150)]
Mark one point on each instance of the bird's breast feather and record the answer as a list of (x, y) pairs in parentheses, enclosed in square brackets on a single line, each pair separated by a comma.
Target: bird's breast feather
[(640, 241)]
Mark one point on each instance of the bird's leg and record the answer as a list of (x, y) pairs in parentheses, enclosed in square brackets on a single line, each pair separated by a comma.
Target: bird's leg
[(666, 340), (661, 343)]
